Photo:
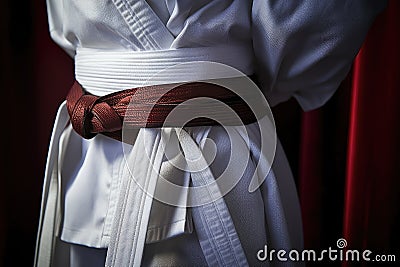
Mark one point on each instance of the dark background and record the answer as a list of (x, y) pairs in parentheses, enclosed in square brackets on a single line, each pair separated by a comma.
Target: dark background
[(344, 156)]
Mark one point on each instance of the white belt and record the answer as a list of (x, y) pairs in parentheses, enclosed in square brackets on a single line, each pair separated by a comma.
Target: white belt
[(104, 72)]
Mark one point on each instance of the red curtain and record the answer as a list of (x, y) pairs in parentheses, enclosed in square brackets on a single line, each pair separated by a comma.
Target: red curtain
[(373, 159), (343, 155), (349, 163), (35, 76)]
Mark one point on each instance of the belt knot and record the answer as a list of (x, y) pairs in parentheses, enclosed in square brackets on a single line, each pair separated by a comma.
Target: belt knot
[(91, 114)]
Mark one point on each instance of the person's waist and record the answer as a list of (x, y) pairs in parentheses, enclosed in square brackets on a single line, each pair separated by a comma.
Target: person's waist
[(103, 72)]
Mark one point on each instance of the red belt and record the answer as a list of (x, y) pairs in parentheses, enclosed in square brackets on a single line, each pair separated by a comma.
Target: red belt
[(91, 114)]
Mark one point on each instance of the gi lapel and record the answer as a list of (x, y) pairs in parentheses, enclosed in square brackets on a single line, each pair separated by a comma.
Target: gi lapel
[(146, 26)]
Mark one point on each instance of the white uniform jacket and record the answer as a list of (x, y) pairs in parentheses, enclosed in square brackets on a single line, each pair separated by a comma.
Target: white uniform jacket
[(300, 49)]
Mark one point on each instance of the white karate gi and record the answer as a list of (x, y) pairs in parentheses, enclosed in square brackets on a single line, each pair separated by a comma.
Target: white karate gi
[(300, 49)]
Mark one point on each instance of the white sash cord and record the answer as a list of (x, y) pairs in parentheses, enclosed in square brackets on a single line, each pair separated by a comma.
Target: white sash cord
[(134, 204), (215, 229), (50, 216), (216, 232)]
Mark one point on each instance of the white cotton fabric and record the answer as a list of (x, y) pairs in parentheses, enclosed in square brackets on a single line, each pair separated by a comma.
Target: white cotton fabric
[(300, 49)]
